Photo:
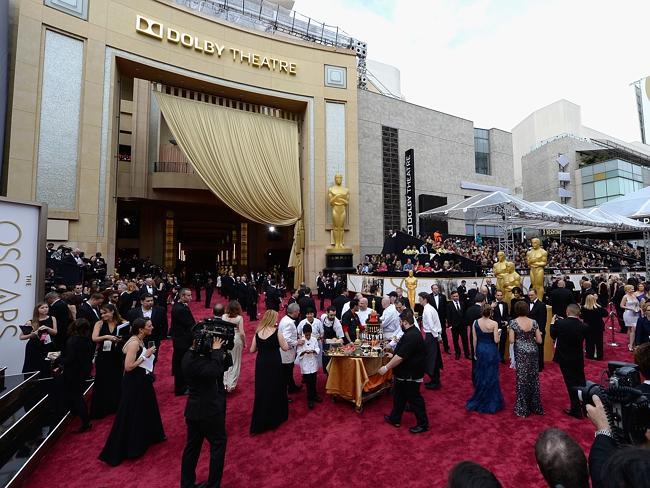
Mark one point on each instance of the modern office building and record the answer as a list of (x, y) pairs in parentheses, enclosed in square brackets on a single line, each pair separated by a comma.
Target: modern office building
[(450, 160), (560, 159)]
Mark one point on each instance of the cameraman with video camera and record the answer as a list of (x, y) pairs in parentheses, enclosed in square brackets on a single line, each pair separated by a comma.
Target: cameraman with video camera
[(609, 463), (203, 367)]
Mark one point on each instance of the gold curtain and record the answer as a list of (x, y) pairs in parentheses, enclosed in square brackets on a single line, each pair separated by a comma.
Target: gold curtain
[(250, 161)]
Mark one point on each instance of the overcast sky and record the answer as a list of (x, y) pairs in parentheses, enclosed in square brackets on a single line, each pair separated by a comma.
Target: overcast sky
[(496, 61)]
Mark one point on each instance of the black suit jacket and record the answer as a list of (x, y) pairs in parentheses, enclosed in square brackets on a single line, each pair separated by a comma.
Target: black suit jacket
[(60, 311), (306, 303), (204, 377), (538, 314), (472, 313), (182, 323), (158, 319), (569, 335), (497, 316), (455, 318), (338, 302), (124, 303), (560, 300), (273, 298), (601, 450), (441, 308), (85, 311), (144, 290)]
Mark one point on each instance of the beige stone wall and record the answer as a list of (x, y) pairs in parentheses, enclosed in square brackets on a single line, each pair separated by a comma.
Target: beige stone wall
[(112, 23)]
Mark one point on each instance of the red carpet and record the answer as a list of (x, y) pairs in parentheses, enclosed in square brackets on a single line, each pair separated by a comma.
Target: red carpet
[(332, 445)]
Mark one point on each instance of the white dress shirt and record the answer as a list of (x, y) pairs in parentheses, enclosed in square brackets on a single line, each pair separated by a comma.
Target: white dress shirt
[(390, 321), (146, 314), (363, 315), (287, 328), (431, 321), (309, 362), (338, 328), (317, 331)]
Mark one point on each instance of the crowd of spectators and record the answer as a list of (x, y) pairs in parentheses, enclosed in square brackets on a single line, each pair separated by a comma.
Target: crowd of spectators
[(466, 254)]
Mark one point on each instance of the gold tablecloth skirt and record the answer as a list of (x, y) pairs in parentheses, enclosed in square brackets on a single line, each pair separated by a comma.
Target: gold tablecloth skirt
[(349, 377)]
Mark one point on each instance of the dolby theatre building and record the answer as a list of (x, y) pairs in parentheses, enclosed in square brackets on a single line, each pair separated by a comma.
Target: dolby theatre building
[(109, 100), (203, 132)]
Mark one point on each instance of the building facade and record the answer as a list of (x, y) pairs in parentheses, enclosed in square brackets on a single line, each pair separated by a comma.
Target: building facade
[(452, 160), (87, 136), (564, 161)]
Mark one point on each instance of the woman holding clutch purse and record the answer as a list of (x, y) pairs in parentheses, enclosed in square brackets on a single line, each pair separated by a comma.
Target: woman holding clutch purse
[(630, 303)]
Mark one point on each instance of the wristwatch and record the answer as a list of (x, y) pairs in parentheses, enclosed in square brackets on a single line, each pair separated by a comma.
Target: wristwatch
[(606, 432)]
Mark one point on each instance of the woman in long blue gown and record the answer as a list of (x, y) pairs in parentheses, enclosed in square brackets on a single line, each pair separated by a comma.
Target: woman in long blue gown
[(487, 396)]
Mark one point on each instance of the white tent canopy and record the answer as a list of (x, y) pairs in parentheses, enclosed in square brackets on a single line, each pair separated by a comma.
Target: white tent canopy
[(633, 205), (498, 208)]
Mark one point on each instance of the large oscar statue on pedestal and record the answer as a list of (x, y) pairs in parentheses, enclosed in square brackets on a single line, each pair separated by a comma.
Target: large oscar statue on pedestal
[(499, 269), (537, 258), (339, 257)]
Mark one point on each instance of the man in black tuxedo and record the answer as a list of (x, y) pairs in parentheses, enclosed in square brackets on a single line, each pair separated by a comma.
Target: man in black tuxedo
[(337, 286), (561, 297), (251, 300), (60, 311), (569, 334), (89, 309), (455, 316), (181, 332), (491, 290), (472, 314), (150, 287), (205, 411), (537, 312), (306, 302), (585, 290), (438, 301), (501, 315), (158, 316), (124, 302), (321, 286), (209, 291), (273, 297), (339, 301)]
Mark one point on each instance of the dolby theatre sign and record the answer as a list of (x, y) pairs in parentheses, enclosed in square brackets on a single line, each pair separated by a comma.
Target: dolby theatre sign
[(155, 29)]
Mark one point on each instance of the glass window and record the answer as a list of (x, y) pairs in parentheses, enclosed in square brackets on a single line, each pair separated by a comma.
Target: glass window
[(481, 151), (636, 169), (600, 201), (610, 165), (588, 191), (599, 168), (587, 179), (587, 170), (625, 166), (600, 189), (469, 229), (613, 187), (599, 176)]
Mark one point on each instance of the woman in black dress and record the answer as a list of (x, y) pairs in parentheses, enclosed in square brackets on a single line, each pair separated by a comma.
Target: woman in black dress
[(271, 406), (77, 362), (594, 315), (39, 340), (108, 363), (137, 424)]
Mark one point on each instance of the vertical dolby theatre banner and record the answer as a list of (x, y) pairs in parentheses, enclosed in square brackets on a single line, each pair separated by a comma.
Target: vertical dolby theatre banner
[(411, 209), (22, 261)]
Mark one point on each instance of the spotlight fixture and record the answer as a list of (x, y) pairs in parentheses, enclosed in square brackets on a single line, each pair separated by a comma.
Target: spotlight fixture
[(271, 228), (126, 221)]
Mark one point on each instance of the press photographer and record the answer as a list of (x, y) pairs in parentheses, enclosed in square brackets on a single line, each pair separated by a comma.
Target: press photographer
[(621, 415), (203, 367)]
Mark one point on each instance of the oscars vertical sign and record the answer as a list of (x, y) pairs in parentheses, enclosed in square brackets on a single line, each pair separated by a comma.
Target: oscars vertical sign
[(22, 270), (411, 210)]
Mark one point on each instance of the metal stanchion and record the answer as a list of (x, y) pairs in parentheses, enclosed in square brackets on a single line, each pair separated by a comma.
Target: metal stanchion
[(612, 314)]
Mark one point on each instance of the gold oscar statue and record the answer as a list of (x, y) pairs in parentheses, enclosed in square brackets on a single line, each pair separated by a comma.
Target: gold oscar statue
[(499, 269), (411, 283), (339, 197), (537, 258), (511, 279)]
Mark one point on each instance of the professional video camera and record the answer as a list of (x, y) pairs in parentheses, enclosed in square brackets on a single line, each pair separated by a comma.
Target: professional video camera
[(206, 330), (627, 408)]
